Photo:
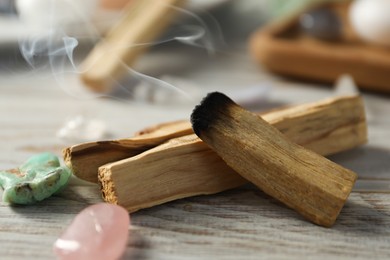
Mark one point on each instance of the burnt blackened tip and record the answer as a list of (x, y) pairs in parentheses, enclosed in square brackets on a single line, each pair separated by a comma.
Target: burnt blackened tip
[(204, 114)]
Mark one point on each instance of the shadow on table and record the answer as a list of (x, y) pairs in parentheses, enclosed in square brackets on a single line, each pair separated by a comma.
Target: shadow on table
[(71, 200), (359, 216), (136, 247), (362, 219), (369, 162)]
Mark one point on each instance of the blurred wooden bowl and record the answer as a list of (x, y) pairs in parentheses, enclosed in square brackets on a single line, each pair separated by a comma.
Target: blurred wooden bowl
[(282, 47)]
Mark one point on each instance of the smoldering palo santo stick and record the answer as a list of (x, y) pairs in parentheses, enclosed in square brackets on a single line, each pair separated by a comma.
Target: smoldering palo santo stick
[(301, 179), (186, 166), (327, 127)]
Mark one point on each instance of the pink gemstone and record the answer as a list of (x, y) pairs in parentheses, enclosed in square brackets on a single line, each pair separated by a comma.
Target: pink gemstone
[(98, 232)]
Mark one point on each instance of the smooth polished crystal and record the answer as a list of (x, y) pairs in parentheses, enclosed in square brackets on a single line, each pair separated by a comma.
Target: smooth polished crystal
[(98, 232)]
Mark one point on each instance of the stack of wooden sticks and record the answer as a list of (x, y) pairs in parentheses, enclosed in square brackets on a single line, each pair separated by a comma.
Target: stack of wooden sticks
[(168, 161)]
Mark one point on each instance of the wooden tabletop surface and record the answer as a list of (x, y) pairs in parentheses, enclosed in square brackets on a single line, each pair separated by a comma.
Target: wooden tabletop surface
[(242, 223)]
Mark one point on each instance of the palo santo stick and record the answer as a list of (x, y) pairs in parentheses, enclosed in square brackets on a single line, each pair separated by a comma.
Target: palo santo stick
[(142, 22), (326, 127), (182, 167), (185, 166), (85, 159), (303, 180)]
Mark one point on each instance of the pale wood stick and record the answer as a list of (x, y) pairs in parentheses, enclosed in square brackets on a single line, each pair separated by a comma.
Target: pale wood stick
[(303, 180), (182, 167), (142, 22), (327, 127), (185, 166), (84, 159)]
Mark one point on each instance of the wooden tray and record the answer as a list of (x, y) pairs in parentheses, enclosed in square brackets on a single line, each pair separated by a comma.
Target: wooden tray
[(283, 48)]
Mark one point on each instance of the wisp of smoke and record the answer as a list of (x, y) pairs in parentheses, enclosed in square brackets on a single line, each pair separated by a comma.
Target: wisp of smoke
[(60, 47)]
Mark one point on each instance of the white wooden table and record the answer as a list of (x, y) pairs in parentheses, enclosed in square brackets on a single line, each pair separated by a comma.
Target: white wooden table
[(239, 224)]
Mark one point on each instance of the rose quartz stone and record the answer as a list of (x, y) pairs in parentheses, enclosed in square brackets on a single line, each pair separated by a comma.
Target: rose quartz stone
[(98, 232)]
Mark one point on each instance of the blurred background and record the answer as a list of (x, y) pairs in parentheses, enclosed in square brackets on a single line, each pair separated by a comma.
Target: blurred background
[(162, 57), (21, 19)]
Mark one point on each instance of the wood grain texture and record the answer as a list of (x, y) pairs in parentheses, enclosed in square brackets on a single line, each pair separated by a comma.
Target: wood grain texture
[(85, 159), (243, 223), (327, 127), (301, 179), (180, 168), (184, 166)]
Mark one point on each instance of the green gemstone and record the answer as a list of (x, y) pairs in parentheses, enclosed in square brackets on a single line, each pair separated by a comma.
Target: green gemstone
[(37, 179)]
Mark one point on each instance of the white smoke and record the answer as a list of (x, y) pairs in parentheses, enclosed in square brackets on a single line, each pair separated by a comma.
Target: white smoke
[(59, 28)]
